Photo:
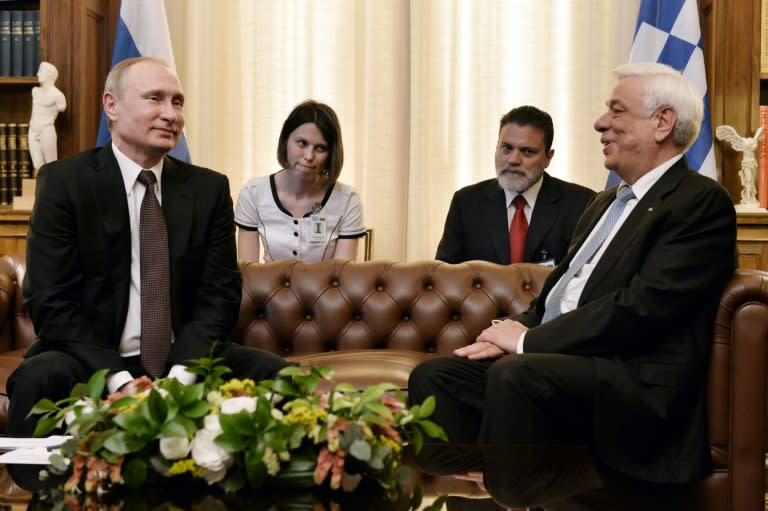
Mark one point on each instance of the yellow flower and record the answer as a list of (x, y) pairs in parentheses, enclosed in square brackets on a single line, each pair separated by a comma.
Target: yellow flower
[(236, 387), (271, 461), (184, 466)]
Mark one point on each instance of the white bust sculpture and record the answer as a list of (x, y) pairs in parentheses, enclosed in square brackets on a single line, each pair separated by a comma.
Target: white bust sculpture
[(748, 172), (47, 102)]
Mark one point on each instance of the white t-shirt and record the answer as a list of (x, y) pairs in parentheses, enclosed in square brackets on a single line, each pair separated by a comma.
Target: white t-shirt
[(311, 238)]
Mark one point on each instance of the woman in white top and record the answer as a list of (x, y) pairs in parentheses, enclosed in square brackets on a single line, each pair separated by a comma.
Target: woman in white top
[(302, 211)]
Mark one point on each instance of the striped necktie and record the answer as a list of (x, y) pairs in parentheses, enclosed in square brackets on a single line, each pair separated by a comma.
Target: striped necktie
[(588, 251)]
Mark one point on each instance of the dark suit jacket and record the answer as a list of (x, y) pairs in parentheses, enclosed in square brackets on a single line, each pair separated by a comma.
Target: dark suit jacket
[(79, 249), (646, 316), (477, 227)]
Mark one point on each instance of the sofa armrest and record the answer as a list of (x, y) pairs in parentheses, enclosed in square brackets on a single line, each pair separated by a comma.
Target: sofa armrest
[(738, 380)]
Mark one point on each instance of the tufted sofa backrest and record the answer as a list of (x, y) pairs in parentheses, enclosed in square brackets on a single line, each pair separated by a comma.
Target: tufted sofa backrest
[(294, 308)]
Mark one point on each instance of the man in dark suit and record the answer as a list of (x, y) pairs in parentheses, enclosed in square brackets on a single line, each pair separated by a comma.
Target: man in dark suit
[(82, 287), (614, 352), (480, 215)]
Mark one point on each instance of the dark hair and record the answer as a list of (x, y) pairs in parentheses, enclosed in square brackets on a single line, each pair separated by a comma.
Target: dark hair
[(531, 116), (322, 116)]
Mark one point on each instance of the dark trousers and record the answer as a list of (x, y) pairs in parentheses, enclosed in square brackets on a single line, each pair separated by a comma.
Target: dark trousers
[(516, 399)]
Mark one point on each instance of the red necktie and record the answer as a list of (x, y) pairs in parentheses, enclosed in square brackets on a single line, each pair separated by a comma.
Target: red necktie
[(155, 281), (518, 230)]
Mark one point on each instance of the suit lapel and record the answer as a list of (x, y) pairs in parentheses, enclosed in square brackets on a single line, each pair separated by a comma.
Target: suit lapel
[(643, 212), (111, 207), (544, 216), (494, 216), (178, 208)]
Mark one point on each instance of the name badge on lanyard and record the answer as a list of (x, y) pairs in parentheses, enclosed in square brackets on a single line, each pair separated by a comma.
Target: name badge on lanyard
[(316, 229)]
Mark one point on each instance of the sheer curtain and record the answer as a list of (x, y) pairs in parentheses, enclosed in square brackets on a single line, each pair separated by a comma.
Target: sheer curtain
[(419, 87)]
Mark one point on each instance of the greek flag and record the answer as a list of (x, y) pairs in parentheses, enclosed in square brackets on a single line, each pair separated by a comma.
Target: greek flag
[(668, 31), (142, 30)]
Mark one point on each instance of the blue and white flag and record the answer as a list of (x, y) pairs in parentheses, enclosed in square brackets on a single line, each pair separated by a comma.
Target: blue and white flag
[(142, 31), (668, 31)]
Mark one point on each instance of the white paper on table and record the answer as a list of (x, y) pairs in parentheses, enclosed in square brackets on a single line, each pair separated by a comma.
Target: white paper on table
[(8, 443), (28, 456)]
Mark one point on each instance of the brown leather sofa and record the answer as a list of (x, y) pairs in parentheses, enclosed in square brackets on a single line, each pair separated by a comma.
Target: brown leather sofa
[(373, 321)]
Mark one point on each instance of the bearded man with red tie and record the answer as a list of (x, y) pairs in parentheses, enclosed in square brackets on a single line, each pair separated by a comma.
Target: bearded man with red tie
[(524, 214)]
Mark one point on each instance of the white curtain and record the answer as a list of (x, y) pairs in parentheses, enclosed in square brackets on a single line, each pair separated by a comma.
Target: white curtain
[(419, 87)]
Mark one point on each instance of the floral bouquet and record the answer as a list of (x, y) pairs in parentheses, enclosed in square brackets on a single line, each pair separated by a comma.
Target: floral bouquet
[(235, 434)]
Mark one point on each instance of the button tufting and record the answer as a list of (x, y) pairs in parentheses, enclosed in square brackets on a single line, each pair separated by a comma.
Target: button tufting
[(287, 283), (308, 317), (335, 283), (379, 288)]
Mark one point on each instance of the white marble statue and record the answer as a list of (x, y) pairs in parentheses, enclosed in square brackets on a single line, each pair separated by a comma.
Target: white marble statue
[(47, 102), (748, 172)]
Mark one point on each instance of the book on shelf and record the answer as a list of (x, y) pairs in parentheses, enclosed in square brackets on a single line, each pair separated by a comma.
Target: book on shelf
[(24, 158), (17, 41), (28, 44), (3, 165), (5, 43), (36, 41), (12, 155), (762, 160)]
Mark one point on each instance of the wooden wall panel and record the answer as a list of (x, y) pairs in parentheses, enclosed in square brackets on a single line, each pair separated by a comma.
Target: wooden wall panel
[(731, 31)]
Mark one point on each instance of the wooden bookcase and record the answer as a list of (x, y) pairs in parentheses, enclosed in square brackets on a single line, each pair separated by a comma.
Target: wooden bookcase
[(77, 37)]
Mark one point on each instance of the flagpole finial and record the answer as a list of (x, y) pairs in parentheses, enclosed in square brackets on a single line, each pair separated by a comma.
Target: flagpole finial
[(748, 172)]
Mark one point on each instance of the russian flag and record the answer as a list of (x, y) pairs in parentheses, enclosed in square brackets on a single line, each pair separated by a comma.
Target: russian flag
[(668, 31), (142, 31)]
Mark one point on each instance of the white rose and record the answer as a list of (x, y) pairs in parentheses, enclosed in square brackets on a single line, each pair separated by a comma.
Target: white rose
[(208, 455), (238, 404), (214, 476), (174, 447), (211, 423), (214, 397)]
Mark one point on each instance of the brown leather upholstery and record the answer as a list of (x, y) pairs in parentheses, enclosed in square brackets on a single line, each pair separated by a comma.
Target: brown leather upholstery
[(373, 321)]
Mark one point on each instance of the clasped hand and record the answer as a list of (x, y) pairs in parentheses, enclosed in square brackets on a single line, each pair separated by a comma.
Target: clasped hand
[(496, 340)]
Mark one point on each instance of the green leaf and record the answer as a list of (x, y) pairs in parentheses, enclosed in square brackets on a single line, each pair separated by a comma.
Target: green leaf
[(291, 371), (135, 472), (43, 406), (285, 388), (96, 384), (417, 439), (431, 429), (123, 443), (427, 407), (177, 427), (380, 409), (231, 442), (361, 450), (191, 394), (122, 402), (135, 424), (158, 410), (240, 423), (255, 471), (197, 409), (45, 425)]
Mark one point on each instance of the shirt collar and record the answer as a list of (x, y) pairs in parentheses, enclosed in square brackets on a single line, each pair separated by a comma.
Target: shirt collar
[(530, 194), (129, 169), (647, 180)]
